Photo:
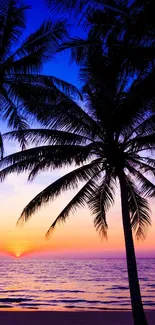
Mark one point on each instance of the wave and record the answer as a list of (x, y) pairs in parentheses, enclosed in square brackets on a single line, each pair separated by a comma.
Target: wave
[(97, 284), (63, 291)]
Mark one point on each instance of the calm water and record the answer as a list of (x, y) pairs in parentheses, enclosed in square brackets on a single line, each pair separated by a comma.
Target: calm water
[(64, 284)]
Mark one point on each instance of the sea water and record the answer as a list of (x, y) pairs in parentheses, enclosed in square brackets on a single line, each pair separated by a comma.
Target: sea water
[(94, 284)]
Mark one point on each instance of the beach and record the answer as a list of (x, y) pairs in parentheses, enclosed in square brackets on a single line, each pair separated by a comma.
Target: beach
[(70, 318)]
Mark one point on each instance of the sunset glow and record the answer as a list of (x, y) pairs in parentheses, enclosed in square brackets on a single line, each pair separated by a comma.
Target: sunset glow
[(76, 237)]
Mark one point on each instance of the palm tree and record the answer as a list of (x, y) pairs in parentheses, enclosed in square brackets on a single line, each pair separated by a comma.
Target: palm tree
[(106, 142), (21, 62)]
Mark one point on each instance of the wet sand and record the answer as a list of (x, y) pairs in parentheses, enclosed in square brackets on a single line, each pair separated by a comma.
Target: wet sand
[(70, 318)]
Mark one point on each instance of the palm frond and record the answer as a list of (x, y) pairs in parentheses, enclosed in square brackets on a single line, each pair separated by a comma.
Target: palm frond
[(46, 37), (145, 141), (145, 127), (38, 167), (147, 188), (144, 165), (67, 115), (28, 64), (53, 109), (149, 161), (19, 167), (141, 143), (141, 94), (68, 181), (45, 81), (38, 48), (64, 86), (79, 48), (66, 7), (79, 200), (12, 23), (1, 147), (46, 136), (76, 7), (139, 211), (55, 156), (101, 200), (11, 113)]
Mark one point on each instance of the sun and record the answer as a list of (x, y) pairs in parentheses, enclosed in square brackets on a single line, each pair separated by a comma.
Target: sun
[(18, 255)]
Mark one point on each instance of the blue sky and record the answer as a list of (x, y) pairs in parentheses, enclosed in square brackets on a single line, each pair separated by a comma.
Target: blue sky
[(60, 66)]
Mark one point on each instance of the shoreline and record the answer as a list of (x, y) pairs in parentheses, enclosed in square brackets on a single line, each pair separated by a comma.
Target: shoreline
[(42, 317), (56, 309)]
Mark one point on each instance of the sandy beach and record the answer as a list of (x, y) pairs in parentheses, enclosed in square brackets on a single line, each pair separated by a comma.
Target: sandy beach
[(70, 318)]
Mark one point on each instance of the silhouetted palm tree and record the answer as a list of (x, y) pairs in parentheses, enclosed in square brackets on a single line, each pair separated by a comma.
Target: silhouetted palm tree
[(106, 141), (21, 62)]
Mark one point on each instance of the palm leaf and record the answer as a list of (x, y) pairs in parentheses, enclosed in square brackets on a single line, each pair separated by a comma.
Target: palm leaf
[(1, 147), (67, 115), (54, 156), (147, 127), (68, 181), (38, 48), (139, 211), (45, 81), (46, 136), (101, 200), (12, 23), (46, 37), (63, 86), (144, 165), (144, 141), (79, 48), (19, 167), (54, 109), (147, 188), (11, 113), (149, 161), (28, 64), (76, 7), (79, 200), (141, 94)]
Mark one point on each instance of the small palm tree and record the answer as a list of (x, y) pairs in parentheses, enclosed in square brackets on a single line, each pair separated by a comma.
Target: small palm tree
[(107, 141), (21, 62)]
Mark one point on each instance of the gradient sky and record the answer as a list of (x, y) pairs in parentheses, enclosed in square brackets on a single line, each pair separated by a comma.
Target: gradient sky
[(78, 236)]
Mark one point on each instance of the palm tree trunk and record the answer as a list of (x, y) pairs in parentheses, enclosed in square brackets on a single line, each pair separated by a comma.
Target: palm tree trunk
[(136, 301)]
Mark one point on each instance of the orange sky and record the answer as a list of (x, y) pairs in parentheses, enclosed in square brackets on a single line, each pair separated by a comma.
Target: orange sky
[(77, 235)]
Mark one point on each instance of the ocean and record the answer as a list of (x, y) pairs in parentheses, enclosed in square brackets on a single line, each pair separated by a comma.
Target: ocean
[(72, 284)]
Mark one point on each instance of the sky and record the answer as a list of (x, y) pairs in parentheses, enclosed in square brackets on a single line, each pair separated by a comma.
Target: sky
[(77, 237)]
